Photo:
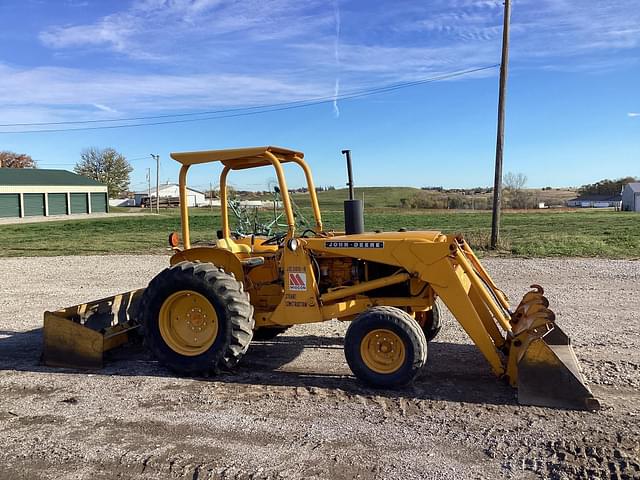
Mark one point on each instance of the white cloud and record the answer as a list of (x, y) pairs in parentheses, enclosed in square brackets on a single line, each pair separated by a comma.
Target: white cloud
[(104, 108), (633, 114), (178, 54), (157, 29), (54, 94)]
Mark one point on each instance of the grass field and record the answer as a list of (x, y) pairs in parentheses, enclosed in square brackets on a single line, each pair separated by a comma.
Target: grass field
[(544, 233)]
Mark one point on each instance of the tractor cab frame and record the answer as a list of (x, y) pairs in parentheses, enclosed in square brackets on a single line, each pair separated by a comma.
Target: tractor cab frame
[(242, 159)]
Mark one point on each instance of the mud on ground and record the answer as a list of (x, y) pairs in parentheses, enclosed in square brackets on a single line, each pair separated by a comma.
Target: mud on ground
[(293, 410)]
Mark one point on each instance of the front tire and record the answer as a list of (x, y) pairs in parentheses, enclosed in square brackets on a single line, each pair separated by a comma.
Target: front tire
[(197, 318), (385, 347)]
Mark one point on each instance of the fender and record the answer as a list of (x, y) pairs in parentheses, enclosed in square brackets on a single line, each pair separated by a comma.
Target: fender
[(217, 256)]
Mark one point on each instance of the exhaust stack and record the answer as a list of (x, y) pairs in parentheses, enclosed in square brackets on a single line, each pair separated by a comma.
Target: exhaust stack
[(353, 209)]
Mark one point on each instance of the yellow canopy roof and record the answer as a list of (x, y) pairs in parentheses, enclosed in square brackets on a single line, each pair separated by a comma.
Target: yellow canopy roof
[(237, 158)]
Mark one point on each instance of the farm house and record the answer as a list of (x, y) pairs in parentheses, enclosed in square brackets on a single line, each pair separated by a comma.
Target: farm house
[(631, 197), (27, 192), (170, 192)]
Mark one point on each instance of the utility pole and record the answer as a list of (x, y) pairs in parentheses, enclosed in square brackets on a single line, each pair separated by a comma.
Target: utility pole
[(497, 183), (149, 185), (157, 159)]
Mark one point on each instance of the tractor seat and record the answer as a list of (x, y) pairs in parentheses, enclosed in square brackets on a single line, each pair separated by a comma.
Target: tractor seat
[(232, 246)]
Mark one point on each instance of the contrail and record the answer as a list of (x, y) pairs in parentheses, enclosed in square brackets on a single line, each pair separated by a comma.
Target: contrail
[(336, 45)]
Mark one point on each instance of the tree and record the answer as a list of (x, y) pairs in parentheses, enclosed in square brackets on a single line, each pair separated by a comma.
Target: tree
[(514, 181), (106, 166), (514, 184), (16, 160), (606, 187)]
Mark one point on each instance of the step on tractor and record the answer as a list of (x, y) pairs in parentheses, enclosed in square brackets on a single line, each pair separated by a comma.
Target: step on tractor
[(199, 315)]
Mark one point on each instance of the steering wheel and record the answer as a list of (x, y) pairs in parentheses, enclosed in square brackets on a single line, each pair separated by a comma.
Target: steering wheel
[(275, 240)]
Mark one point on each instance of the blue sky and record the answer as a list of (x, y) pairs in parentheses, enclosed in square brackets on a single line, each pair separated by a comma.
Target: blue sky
[(573, 107)]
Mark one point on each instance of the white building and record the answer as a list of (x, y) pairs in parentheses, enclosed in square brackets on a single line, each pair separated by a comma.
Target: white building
[(631, 197), (122, 202), (596, 201), (171, 192)]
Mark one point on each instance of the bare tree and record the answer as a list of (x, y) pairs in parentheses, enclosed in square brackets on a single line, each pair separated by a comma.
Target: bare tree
[(514, 181), (16, 160), (106, 166), (514, 189)]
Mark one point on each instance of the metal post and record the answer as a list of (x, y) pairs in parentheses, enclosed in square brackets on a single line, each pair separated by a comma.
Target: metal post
[(347, 153), (149, 185), (497, 184), (157, 159)]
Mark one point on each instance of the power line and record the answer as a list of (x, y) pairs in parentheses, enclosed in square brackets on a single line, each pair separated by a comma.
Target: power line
[(237, 109), (256, 110)]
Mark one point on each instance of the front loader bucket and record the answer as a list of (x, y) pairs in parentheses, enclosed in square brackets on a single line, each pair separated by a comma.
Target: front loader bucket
[(77, 336), (548, 373)]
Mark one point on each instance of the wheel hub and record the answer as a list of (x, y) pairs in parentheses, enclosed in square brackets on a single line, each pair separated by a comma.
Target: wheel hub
[(188, 322), (196, 319), (383, 351)]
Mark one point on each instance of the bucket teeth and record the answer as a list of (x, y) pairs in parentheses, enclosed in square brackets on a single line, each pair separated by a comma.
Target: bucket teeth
[(533, 313)]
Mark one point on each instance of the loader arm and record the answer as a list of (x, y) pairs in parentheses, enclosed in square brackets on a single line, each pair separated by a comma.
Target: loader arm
[(540, 361), (524, 346)]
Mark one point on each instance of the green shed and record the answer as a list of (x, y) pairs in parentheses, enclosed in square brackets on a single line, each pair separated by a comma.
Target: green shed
[(33, 192)]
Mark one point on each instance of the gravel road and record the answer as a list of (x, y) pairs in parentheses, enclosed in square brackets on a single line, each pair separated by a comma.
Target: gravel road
[(293, 410)]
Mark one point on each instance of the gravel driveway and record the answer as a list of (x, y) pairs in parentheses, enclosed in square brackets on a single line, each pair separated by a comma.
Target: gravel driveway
[(293, 410)]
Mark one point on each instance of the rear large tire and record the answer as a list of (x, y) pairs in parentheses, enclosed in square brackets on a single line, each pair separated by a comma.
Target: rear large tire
[(197, 319), (385, 347)]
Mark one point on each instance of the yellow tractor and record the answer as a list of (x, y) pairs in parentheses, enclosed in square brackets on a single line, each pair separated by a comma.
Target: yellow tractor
[(200, 314)]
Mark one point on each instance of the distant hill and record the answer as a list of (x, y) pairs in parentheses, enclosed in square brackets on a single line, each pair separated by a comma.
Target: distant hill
[(391, 197), (374, 197)]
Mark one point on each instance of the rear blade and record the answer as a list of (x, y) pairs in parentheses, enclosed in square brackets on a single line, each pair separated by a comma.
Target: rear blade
[(77, 336), (549, 375)]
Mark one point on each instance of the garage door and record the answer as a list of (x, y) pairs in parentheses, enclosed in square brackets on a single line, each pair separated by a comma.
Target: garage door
[(57, 204), (98, 203), (9, 205), (79, 203), (34, 204)]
